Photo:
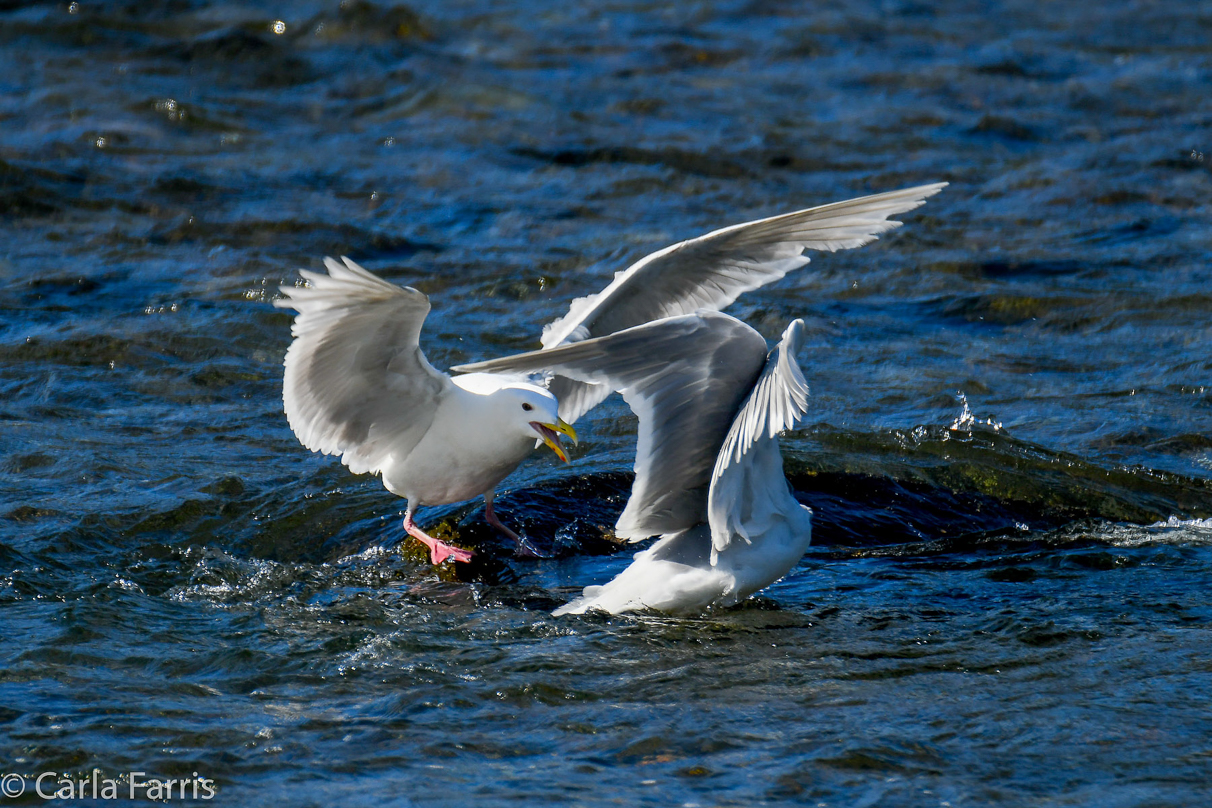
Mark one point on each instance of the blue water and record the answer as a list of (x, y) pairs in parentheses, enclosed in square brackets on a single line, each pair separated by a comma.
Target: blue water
[(1008, 449)]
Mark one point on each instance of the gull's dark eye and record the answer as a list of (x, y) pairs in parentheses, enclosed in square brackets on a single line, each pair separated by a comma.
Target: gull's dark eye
[(527, 407)]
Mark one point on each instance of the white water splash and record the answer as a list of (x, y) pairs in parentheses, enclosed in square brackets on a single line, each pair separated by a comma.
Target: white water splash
[(1171, 531), (966, 420)]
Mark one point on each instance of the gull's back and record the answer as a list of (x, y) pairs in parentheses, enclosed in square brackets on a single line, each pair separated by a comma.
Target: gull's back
[(754, 530), (677, 575)]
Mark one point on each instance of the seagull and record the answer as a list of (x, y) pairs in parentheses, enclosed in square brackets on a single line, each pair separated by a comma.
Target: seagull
[(708, 473), (358, 385)]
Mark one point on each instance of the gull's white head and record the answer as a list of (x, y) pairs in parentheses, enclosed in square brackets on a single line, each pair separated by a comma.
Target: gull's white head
[(521, 408), (535, 411)]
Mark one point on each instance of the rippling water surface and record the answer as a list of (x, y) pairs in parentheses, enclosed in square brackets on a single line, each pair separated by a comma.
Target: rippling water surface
[(1008, 449)]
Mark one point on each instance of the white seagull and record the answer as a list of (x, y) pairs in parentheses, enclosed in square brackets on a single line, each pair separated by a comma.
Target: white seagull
[(708, 473), (357, 384)]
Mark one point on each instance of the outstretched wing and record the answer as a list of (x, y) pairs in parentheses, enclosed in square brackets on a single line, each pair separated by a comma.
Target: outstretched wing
[(712, 271), (777, 402), (685, 377), (357, 384)]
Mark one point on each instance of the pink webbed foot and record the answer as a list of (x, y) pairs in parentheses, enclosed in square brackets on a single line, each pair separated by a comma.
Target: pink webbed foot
[(439, 550)]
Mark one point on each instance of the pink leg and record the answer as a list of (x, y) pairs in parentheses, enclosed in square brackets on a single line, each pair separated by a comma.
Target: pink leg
[(439, 551), (524, 548)]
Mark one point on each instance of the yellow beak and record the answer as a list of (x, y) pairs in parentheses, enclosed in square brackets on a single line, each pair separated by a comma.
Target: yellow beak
[(550, 435)]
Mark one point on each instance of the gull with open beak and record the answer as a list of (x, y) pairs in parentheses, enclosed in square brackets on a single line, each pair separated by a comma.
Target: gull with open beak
[(357, 385)]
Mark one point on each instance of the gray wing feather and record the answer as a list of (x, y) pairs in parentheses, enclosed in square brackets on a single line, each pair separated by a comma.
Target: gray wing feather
[(776, 403), (685, 378), (713, 270), (356, 382), (577, 398)]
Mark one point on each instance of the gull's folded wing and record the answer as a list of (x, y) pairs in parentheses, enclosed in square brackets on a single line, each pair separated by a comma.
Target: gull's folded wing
[(777, 402), (356, 382), (711, 271), (685, 377)]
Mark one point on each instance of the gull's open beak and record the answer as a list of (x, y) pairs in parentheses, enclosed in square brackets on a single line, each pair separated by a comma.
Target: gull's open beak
[(550, 435)]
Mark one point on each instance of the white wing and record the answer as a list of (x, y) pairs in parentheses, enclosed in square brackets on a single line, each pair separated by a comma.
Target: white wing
[(777, 402), (576, 398), (356, 382), (685, 377), (712, 271)]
